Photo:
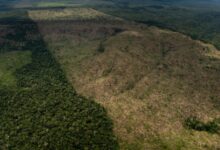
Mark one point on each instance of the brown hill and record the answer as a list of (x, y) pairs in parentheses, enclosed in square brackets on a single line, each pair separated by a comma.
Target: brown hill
[(149, 80)]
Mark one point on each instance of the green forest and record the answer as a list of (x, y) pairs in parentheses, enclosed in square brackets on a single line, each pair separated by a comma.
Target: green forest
[(41, 110), (201, 21)]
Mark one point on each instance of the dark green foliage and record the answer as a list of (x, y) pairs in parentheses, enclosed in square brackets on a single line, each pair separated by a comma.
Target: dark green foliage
[(195, 124), (43, 111), (101, 48), (199, 23)]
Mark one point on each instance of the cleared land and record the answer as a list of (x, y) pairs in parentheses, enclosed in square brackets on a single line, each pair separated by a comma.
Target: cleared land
[(149, 80), (66, 14)]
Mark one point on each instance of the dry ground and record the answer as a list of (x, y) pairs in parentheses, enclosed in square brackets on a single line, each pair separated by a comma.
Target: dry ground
[(149, 80)]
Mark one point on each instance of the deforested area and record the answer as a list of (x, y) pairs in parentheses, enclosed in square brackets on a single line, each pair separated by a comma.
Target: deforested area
[(109, 75)]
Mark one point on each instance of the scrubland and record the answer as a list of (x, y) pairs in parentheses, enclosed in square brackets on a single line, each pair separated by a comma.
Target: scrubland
[(151, 81)]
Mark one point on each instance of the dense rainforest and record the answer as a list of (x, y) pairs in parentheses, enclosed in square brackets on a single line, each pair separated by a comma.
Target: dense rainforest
[(42, 110)]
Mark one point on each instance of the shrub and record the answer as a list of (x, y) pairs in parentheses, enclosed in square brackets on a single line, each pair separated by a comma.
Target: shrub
[(101, 48), (195, 124)]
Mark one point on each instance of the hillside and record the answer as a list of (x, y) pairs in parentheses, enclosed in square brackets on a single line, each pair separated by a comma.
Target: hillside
[(160, 88), (199, 18)]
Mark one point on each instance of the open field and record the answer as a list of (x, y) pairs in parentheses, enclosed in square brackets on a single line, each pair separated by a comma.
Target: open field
[(149, 80), (67, 14)]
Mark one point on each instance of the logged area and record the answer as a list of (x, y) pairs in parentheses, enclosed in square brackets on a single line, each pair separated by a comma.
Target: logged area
[(109, 75), (156, 84)]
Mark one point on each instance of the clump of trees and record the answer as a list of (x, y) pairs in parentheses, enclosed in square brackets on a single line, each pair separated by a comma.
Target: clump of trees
[(195, 124), (101, 48)]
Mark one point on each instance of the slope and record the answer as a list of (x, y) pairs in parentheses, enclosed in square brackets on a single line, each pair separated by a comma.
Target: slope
[(151, 81)]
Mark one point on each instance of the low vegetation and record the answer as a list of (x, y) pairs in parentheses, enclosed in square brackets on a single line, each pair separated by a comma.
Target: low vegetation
[(66, 14), (150, 80)]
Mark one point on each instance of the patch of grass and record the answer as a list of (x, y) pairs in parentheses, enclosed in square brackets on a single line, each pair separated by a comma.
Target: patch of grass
[(9, 63)]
